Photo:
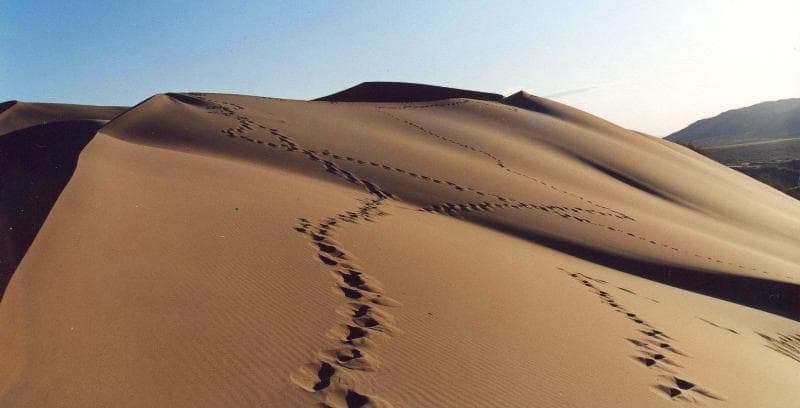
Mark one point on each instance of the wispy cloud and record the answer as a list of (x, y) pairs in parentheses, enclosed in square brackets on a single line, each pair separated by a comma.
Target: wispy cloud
[(571, 92)]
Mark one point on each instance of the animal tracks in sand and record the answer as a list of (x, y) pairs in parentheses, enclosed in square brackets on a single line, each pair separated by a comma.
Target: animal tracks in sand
[(653, 348), (363, 312), (365, 318)]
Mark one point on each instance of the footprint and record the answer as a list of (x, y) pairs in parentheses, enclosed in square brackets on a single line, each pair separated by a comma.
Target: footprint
[(675, 386), (350, 398), (671, 392), (368, 317), (318, 376), (358, 280), (351, 293), (646, 361), (331, 250), (355, 333), (651, 348), (327, 261), (351, 358)]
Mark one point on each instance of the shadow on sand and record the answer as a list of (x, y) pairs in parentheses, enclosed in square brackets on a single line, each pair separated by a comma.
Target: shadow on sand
[(35, 165)]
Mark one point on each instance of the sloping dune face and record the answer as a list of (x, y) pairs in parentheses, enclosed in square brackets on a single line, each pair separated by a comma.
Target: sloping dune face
[(225, 250), (39, 147)]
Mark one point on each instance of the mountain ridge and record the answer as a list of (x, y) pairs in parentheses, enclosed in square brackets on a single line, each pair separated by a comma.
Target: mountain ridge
[(768, 120)]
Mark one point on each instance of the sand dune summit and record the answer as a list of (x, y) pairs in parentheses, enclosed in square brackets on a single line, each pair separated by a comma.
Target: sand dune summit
[(391, 245)]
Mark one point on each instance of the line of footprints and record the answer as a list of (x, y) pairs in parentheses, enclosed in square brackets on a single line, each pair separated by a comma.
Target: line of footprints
[(453, 209), (364, 315), (653, 348), (247, 125), (786, 344), (491, 156), (364, 308)]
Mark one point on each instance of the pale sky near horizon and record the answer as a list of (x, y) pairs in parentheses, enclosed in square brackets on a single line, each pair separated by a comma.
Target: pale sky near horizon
[(653, 66)]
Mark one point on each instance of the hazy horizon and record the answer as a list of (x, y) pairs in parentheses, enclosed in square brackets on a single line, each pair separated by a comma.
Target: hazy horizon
[(653, 68)]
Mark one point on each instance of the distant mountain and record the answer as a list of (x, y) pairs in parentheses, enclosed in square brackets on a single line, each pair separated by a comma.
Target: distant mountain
[(761, 122), (762, 141)]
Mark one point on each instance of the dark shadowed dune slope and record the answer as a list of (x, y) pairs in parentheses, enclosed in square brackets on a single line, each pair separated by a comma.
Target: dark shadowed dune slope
[(39, 148), (404, 92)]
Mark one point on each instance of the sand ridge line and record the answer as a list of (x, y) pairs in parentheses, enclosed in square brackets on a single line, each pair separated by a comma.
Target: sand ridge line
[(653, 348), (438, 136), (716, 325), (456, 209), (497, 105), (499, 162), (430, 105)]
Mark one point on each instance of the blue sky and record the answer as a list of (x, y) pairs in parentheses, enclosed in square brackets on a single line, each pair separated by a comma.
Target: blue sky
[(654, 66)]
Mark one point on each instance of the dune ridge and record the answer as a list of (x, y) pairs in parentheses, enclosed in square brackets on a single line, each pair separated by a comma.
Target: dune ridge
[(400, 250), (765, 121), (404, 92), (6, 105), (39, 149)]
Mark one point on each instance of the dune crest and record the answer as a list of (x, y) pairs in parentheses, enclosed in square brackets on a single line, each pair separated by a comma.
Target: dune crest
[(404, 92), (558, 110), (39, 149), (418, 248), (6, 105)]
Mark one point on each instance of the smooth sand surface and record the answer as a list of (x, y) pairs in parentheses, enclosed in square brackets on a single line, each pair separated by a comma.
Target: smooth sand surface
[(226, 250)]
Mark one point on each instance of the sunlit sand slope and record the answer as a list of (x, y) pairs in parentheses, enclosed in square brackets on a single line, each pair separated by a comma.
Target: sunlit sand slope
[(225, 250)]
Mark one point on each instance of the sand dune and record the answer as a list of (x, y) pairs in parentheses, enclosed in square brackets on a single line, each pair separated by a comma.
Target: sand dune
[(39, 148), (404, 92), (395, 245)]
